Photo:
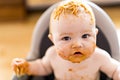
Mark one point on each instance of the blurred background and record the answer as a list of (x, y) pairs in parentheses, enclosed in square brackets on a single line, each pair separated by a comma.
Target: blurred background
[(17, 22)]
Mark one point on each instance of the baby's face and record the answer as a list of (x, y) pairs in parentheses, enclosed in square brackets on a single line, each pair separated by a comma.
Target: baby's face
[(74, 37)]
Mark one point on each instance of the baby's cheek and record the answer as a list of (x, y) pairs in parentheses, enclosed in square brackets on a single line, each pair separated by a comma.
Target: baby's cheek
[(62, 53), (90, 49), (91, 44), (63, 50)]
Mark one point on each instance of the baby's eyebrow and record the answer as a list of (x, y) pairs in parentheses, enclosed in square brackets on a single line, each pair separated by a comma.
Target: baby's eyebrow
[(66, 34)]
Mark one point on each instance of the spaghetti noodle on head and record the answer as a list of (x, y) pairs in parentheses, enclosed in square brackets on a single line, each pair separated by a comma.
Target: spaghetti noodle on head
[(77, 8)]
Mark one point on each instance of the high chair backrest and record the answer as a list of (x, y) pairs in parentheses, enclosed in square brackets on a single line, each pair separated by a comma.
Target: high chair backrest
[(107, 38)]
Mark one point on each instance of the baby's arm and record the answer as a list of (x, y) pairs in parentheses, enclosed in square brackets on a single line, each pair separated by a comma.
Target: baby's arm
[(110, 66), (37, 67), (116, 74)]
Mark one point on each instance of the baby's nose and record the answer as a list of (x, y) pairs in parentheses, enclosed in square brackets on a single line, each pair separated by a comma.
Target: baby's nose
[(77, 44)]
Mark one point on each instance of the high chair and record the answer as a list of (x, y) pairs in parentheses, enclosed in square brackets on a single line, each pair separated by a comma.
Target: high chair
[(107, 39)]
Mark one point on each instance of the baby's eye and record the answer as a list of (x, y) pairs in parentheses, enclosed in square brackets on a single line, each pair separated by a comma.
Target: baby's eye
[(66, 38), (85, 35)]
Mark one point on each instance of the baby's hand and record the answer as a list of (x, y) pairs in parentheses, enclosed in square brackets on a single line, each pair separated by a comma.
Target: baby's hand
[(20, 66)]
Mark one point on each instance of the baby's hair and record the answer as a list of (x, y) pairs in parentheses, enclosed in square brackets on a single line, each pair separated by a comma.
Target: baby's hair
[(72, 7)]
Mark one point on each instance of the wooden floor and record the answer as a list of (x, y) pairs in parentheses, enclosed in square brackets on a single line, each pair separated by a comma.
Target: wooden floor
[(15, 39)]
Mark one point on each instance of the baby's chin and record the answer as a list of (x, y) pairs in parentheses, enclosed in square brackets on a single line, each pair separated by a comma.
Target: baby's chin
[(74, 58)]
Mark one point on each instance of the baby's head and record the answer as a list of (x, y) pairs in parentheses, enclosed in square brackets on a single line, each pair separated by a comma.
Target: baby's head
[(73, 31)]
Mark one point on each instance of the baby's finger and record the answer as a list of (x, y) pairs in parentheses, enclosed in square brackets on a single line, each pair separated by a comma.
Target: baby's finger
[(22, 72), (17, 71)]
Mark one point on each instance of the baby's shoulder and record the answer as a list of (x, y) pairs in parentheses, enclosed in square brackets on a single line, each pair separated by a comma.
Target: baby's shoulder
[(101, 54), (50, 51)]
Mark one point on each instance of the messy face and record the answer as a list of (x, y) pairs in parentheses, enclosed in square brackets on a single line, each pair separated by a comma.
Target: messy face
[(74, 37), (72, 30)]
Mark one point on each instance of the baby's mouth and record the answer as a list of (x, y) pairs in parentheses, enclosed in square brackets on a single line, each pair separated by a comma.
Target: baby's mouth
[(78, 53)]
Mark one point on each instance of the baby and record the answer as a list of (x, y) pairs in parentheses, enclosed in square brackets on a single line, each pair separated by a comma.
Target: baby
[(74, 55)]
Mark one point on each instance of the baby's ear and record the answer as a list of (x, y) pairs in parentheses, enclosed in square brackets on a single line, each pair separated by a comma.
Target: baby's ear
[(96, 30), (50, 37)]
